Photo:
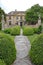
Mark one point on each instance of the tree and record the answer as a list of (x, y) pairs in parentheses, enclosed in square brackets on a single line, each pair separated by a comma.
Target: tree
[(2, 13), (32, 14)]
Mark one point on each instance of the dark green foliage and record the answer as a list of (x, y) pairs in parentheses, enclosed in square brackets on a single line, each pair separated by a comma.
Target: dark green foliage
[(13, 31), (36, 52), (0, 25), (2, 62), (40, 29), (7, 49), (28, 31), (8, 30), (32, 14), (37, 30), (2, 13)]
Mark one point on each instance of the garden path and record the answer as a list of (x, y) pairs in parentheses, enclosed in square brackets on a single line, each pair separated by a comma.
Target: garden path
[(23, 46)]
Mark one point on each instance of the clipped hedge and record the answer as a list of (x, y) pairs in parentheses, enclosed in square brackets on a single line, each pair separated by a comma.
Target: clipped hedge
[(8, 30), (36, 52), (13, 31), (28, 31), (2, 62), (7, 49), (31, 30), (32, 37), (38, 30)]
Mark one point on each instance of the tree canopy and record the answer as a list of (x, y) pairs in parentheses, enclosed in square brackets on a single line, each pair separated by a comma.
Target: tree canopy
[(2, 13), (32, 14)]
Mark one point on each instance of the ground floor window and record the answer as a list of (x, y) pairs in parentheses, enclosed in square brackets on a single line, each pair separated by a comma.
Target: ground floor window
[(9, 22)]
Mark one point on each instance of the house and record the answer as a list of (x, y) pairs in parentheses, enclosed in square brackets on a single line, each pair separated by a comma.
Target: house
[(15, 18)]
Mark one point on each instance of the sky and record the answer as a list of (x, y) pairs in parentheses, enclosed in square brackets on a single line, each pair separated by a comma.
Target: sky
[(19, 5)]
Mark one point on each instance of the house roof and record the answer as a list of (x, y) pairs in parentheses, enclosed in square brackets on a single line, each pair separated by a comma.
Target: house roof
[(15, 12)]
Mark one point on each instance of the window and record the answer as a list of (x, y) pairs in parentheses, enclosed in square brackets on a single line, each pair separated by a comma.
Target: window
[(9, 22), (20, 17), (16, 22), (16, 17), (9, 17)]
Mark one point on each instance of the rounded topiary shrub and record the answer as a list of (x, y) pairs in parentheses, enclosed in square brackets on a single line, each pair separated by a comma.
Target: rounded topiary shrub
[(7, 49), (36, 52), (2, 62), (15, 30), (28, 31)]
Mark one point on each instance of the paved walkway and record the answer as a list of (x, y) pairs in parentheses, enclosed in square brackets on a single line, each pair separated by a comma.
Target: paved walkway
[(23, 47)]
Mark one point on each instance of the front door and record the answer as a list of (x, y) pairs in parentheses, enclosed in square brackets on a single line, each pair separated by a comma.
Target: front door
[(21, 24)]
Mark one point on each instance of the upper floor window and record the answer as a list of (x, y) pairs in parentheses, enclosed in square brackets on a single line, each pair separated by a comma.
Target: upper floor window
[(16, 17), (9, 17), (20, 17)]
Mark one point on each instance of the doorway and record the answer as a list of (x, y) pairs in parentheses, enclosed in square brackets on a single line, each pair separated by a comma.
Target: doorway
[(21, 24)]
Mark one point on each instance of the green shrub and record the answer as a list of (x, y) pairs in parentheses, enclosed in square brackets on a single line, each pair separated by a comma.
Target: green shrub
[(2, 62), (32, 37), (36, 52), (28, 31), (8, 30), (0, 25), (15, 30), (7, 49), (38, 30)]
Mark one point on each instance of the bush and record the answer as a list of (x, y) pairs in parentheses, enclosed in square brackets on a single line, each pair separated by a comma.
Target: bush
[(7, 49), (36, 52), (8, 30), (0, 25), (2, 62), (15, 30), (32, 38), (28, 31), (38, 30)]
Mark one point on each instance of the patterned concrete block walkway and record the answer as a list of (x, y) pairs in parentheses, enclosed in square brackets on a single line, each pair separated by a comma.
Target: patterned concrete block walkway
[(23, 47)]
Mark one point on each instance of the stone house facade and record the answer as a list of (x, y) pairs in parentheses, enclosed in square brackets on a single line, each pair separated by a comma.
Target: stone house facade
[(15, 18)]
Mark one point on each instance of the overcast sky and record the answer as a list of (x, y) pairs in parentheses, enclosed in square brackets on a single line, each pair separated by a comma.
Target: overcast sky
[(20, 5)]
